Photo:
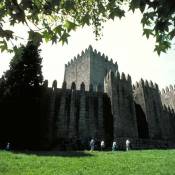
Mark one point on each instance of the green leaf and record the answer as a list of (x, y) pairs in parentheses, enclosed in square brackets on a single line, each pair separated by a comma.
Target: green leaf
[(54, 39), (69, 25), (58, 29), (86, 19), (157, 49), (116, 12), (46, 36), (134, 5), (64, 37), (162, 47), (147, 32), (142, 6), (3, 45), (172, 34)]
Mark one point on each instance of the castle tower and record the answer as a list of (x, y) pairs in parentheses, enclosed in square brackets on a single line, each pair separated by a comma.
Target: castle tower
[(147, 97), (90, 67), (119, 90)]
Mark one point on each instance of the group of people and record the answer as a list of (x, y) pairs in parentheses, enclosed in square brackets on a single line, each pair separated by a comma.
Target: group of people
[(114, 145)]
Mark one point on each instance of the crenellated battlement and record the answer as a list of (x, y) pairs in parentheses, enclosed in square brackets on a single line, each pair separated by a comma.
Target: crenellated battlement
[(169, 110), (170, 89), (86, 54), (116, 77), (168, 96), (145, 84), (82, 87)]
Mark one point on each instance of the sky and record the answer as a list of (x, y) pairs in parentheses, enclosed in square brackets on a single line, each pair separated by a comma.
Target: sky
[(122, 41)]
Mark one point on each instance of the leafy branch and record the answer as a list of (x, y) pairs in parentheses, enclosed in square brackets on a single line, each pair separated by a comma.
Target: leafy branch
[(53, 20)]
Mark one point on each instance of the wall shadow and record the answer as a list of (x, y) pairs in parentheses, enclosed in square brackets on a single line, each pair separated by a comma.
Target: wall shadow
[(56, 153), (142, 123)]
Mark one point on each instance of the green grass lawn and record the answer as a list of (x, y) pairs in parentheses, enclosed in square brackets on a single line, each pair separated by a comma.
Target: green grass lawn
[(150, 162)]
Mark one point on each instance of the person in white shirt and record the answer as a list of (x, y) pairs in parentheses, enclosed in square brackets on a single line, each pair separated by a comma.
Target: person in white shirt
[(114, 146), (92, 144), (8, 146), (127, 144), (102, 144)]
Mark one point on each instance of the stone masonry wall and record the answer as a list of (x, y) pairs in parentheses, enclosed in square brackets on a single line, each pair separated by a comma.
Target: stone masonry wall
[(78, 114), (119, 90), (78, 70), (99, 67), (168, 97), (148, 97), (90, 67)]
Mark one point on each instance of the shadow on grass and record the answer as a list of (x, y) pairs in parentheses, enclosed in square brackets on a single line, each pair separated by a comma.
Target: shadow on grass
[(56, 153)]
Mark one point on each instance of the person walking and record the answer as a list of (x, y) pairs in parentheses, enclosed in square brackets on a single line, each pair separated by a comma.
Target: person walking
[(127, 144), (102, 144), (92, 144), (8, 146), (114, 146)]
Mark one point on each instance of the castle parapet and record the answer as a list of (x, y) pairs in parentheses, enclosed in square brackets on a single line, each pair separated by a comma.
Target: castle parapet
[(163, 91), (82, 87), (54, 84), (64, 85), (168, 96), (171, 88), (146, 84), (99, 54), (123, 76), (116, 77), (117, 74), (73, 86), (141, 83), (128, 78), (151, 85), (111, 60), (168, 90)]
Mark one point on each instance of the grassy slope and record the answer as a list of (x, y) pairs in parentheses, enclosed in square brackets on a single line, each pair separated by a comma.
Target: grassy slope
[(152, 162)]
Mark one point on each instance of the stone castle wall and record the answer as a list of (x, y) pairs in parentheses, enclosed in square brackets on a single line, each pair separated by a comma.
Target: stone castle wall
[(147, 95), (74, 115), (168, 97), (90, 67), (99, 67), (78, 70), (119, 90), (95, 101)]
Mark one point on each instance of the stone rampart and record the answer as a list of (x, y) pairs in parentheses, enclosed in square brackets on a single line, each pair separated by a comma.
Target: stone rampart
[(168, 96), (119, 89)]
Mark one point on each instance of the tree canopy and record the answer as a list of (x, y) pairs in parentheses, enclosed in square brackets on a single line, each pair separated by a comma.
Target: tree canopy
[(24, 73), (53, 20)]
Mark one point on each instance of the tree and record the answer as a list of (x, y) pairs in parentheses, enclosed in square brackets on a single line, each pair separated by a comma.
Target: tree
[(53, 20), (2, 87), (25, 71), (20, 89)]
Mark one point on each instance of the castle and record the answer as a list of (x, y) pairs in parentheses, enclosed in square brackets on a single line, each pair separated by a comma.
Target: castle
[(97, 101)]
